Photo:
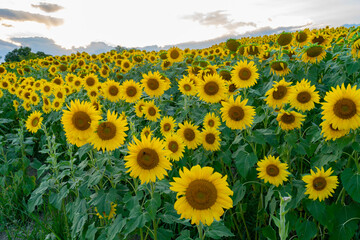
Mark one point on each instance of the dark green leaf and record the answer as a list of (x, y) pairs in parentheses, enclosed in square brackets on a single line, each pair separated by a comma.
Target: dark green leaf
[(351, 183), (218, 230), (269, 232), (305, 230), (244, 161), (116, 227)]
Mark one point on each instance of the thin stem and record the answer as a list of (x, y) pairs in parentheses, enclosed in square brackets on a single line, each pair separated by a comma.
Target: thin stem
[(201, 231), (243, 219)]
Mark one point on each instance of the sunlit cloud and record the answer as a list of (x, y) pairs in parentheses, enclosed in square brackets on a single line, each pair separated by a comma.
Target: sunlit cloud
[(47, 7)]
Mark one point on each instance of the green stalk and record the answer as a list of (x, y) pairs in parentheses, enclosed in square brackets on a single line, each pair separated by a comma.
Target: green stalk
[(154, 221), (201, 231)]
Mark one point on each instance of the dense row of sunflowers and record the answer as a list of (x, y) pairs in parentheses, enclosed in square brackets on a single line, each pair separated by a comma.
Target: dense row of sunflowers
[(88, 89)]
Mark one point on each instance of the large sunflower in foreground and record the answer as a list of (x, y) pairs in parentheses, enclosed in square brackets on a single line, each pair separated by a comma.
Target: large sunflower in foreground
[(190, 134), (212, 89), (271, 170), (320, 185), (279, 94), (331, 133), (147, 159), (109, 134), (289, 120), (80, 120), (34, 121), (342, 107), (304, 96), (202, 195), (244, 74), (236, 114)]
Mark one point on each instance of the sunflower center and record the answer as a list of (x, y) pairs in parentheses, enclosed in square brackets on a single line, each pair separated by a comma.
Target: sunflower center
[(210, 138), (34, 99), (167, 127), (211, 123), (126, 65), (211, 88), (319, 183), (173, 146), (57, 81), (244, 74), (46, 89), (131, 91), (35, 122), (77, 83), (253, 50), (147, 158), (81, 120), (174, 54), (187, 87), (314, 51), (189, 134), (151, 111), (301, 37), (153, 84), (272, 170), (287, 118), (277, 66), (284, 39), (232, 45), (236, 113), (280, 92), (318, 40), (90, 81), (113, 90), (201, 194), (345, 108), (303, 97), (225, 75), (232, 88), (106, 130)]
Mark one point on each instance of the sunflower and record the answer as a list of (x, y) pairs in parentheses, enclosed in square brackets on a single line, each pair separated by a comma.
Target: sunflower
[(153, 85), (126, 65), (77, 83), (174, 54), (151, 111), (279, 94), (304, 96), (34, 98), (342, 107), (190, 134), (212, 89), (202, 195), (313, 53), (284, 39), (34, 121), (146, 132), (236, 114), (302, 37), (111, 213), (244, 74), (131, 91), (47, 88), (5, 84), (320, 185), (104, 72), (355, 48), (211, 121), (186, 86), (139, 108), (232, 45), (109, 134), (331, 133), (147, 159), (211, 139), (320, 39), (90, 81), (175, 144), (111, 90), (271, 170), (57, 104), (80, 120), (58, 80), (289, 120), (2, 70), (167, 126), (279, 68)]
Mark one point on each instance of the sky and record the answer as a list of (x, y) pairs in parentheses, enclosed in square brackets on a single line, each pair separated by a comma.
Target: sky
[(79, 24)]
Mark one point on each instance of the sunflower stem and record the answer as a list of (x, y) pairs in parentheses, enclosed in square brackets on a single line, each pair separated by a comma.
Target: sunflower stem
[(201, 231), (152, 186), (243, 219)]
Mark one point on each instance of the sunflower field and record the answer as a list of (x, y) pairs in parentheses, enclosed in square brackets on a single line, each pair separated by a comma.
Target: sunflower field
[(253, 138)]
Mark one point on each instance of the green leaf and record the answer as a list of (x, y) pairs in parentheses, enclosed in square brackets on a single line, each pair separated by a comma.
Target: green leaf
[(305, 230), (184, 235), (244, 161), (153, 205), (218, 230), (164, 234), (36, 196), (351, 183), (322, 160), (318, 211), (56, 198), (84, 149), (345, 222), (116, 227), (239, 192), (78, 223), (91, 231), (136, 222), (269, 232)]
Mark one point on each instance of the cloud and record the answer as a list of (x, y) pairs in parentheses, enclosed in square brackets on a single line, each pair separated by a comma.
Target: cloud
[(7, 25), (26, 16), (47, 7), (217, 18)]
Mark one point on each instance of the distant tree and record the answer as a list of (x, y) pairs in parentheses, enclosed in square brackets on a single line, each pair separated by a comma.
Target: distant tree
[(119, 49), (23, 53)]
